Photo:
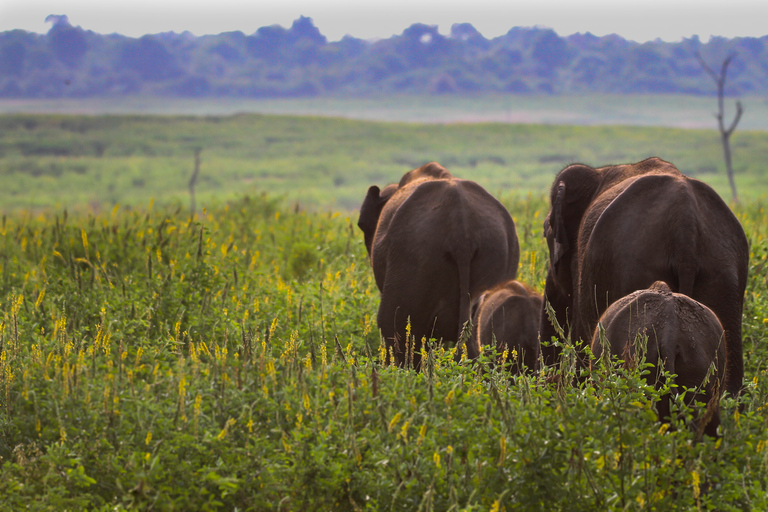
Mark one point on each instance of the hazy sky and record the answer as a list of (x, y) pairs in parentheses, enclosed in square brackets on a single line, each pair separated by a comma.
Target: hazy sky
[(670, 20)]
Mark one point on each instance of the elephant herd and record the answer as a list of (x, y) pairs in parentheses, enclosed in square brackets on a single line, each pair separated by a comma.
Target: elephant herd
[(638, 253)]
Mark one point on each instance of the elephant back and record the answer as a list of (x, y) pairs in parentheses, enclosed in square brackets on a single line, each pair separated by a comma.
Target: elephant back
[(648, 313), (455, 219), (509, 314), (648, 228), (680, 330)]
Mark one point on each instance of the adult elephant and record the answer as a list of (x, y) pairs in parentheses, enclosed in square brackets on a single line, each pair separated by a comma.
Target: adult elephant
[(617, 229), (435, 243)]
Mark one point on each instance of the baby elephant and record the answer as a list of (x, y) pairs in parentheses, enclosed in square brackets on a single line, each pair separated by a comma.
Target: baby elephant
[(509, 313), (683, 333)]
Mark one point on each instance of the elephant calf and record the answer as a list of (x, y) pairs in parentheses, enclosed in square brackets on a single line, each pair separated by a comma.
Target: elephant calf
[(682, 333), (508, 316)]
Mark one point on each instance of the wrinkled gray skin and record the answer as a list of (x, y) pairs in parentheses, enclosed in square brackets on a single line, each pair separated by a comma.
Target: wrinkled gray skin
[(618, 229), (507, 316), (682, 333), (435, 243)]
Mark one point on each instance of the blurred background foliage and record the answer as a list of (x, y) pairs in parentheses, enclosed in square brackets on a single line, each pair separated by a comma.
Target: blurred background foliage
[(274, 62)]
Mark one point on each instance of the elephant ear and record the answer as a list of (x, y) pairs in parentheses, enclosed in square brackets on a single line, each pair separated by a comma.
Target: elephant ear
[(557, 224), (370, 211), (574, 189)]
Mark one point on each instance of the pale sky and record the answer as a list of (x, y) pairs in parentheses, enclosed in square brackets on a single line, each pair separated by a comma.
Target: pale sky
[(670, 20)]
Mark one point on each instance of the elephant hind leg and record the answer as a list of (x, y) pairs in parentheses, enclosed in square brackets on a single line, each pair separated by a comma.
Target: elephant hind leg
[(387, 322), (403, 344), (727, 303), (663, 408)]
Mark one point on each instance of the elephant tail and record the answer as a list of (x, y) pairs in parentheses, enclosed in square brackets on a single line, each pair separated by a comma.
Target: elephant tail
[(687, 257), (687, 233), (686, 277), (666, 351)]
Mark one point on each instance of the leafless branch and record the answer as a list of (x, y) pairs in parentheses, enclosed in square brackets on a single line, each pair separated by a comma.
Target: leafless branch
[(724, 68), (739, 111), (725, 134), (706, 67)]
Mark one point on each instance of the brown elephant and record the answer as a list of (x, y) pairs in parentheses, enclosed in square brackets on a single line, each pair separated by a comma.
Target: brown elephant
[(507, 316), (683, 334), (435, 243), (618, 229)]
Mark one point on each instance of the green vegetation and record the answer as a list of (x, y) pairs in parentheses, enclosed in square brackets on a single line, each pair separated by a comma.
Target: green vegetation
[(232, 362), (60, 161)]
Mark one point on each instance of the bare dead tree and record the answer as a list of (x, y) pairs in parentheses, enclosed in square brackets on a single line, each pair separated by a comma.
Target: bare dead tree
[(193, 182), (725, 133)]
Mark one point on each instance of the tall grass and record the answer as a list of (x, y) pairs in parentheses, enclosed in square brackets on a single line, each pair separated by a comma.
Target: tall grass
[(232, 362)]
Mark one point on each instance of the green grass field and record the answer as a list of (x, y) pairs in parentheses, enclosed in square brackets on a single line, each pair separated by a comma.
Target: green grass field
[(322, 163), (232, 362)]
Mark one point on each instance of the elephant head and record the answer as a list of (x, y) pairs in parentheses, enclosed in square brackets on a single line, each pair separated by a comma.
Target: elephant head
[(571, 194), (432, 170)]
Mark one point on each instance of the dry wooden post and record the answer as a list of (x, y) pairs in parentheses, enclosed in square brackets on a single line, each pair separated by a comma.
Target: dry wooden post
[(192, 182), (725, 133)]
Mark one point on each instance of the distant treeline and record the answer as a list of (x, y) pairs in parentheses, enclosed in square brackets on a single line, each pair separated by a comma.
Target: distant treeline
[(299, 61)]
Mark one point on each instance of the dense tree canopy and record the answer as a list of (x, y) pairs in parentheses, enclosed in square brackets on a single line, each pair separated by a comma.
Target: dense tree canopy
[(276, 61)]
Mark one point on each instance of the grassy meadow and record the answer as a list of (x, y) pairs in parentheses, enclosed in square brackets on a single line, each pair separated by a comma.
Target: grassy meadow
[(322, 163), (230, 361)]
